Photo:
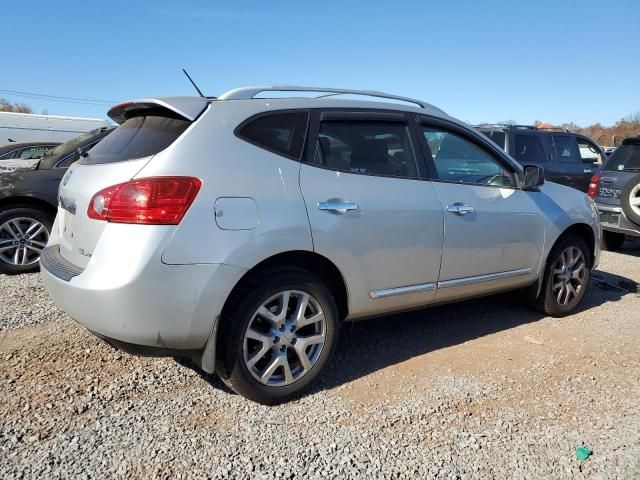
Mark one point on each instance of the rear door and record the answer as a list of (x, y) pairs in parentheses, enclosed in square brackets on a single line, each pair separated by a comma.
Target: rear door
[(568, 163), (144, 131), (493, 231), (528, 148), (369, 210)]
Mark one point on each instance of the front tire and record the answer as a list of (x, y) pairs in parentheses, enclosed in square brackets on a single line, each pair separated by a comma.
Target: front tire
[(24, 232), (566, 277), (278, 335), (612, 241)]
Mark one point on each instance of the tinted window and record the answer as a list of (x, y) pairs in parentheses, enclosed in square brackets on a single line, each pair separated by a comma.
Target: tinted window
[(281, 133), (137, 137), (624, 158), (497, 136), (459, 160), (566, 149), (370, 148), (529, 149)]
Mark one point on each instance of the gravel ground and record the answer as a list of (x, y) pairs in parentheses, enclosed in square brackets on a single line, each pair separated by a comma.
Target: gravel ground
[(482, 389)]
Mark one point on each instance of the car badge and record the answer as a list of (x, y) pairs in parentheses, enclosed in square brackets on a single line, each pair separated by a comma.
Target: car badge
[(66, 178)]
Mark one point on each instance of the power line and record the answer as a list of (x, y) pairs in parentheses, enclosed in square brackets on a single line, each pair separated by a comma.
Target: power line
[(57, 98)]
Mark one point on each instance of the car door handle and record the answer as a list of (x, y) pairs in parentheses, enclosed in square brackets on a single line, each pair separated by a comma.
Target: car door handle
[(460, 209), (338, 206)]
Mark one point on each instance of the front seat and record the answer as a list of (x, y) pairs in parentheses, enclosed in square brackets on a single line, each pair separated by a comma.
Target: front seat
[(371, 156)]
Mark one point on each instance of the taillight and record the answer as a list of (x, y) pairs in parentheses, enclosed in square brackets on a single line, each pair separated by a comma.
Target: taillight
[(149, 201), (593, 186)]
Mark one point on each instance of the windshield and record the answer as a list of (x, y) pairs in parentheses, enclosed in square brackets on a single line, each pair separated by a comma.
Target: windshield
[(624, 158), (70, 145)]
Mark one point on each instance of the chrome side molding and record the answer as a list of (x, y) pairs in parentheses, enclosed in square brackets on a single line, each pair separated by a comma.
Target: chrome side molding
[(482, 278), (390, 292)]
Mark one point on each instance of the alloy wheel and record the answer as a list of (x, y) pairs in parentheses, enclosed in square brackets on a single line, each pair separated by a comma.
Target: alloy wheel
[(569, 275), (22, 240), (284, 338)]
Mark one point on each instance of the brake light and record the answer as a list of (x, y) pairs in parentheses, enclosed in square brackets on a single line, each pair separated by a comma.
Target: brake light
[(593, 186), (149, 201)]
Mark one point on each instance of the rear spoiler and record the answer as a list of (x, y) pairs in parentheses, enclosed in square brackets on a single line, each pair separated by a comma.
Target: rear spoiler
[(185, 107)]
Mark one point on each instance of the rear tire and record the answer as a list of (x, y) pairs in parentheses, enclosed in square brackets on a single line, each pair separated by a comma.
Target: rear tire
[(24, 232), (612, 241), (277, 335), (566, 277), (630, 199)]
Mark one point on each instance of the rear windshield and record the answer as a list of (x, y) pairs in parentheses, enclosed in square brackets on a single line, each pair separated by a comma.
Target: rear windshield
[(497, 136), (624, 158), (137, 137)]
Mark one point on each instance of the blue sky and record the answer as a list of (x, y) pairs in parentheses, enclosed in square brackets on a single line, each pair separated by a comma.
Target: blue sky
[(556, 61)]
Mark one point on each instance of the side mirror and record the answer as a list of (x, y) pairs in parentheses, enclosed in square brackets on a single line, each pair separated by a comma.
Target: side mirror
[(533, 177)]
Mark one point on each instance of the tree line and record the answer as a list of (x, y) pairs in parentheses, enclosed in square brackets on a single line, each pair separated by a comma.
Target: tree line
[(7, 106)]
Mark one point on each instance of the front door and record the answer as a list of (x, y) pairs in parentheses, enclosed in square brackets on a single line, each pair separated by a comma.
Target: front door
[(370, 213), (494, 231)]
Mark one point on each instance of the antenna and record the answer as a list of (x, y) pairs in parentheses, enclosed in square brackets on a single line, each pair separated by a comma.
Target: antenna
[(193, 83)]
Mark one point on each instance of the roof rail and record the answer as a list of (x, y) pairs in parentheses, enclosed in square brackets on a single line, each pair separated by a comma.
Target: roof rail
[(521, 127), (247, 93)]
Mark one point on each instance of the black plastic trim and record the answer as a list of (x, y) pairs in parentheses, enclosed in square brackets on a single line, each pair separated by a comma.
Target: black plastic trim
[(362, 116), (146, 350)]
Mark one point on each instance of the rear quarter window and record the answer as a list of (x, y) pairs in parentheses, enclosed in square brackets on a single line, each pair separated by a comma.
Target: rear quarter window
[(137, 137), (281, 133)]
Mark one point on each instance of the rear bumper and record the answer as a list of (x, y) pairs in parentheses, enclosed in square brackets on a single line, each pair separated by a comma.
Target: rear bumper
[(613, 219), (149, 304)]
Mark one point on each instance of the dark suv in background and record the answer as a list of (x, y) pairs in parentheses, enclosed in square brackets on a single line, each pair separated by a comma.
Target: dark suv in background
[(567, 158), (29, 202), (616, 191)]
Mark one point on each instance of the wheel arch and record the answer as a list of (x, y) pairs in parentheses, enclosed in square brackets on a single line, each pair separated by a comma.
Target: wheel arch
[(584, 231), (312, 262), (29, 202)]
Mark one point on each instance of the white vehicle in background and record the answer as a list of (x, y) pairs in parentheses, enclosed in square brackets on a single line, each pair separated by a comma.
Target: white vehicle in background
[(27, 127)]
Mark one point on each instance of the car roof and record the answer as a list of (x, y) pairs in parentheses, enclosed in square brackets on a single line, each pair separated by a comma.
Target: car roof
[(283, 96), (631, 141)]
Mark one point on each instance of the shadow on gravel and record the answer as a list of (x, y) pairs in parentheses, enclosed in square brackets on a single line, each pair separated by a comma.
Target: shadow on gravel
[(374, 344), (630, 247)]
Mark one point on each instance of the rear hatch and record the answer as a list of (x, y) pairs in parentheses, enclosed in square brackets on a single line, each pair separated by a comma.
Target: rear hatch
[(146, 128), (623, 164)]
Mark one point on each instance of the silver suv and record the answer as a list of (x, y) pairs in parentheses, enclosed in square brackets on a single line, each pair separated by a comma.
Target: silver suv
[(243, 230)]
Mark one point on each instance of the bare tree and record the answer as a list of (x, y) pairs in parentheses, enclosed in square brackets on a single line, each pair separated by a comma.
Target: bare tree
[(7, 106)]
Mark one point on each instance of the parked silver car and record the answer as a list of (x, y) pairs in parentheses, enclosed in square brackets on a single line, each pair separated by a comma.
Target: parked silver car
[(242, 230)]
